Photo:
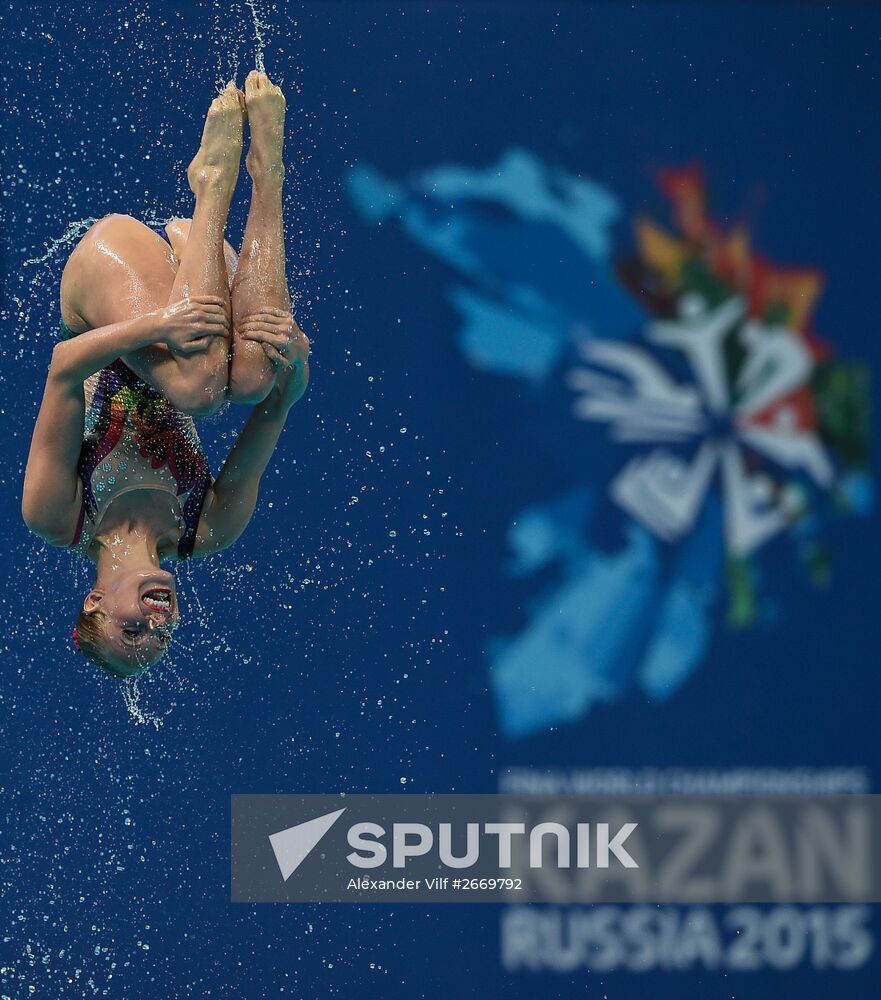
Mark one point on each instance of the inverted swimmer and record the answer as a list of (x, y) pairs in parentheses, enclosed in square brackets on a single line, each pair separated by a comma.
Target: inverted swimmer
[(161, 326)]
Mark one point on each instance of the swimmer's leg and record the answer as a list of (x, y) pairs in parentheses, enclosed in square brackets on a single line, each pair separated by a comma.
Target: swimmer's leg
[(121, 269), (202, 378), (260, 282)]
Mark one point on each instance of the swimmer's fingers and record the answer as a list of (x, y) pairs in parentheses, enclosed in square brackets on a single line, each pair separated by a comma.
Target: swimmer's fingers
[(281, 348), (204, 325), (198, 303), (271, 332), (210, 309), (268, 315), (195, 339), (187, 327), (265, 336), (208, 300), (286, 358), (197, 346), (211, 317), (278, 349), (275, 356), (271, 327), (181, 316), (199, 343), (277, 320)]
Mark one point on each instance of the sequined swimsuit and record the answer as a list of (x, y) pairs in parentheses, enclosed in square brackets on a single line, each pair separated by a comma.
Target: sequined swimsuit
[(135, 439)]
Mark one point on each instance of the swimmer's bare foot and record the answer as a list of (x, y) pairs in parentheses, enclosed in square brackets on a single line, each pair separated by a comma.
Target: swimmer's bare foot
[(216, 165), (265, 106)]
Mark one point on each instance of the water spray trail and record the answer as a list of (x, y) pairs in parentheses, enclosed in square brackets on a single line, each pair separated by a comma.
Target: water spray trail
[(131, 696), (73, 232), (259, 39)]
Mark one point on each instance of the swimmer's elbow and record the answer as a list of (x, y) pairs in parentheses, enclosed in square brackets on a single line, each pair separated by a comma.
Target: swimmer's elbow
[(44, 524), (210, 541), (43, 529), (222, 525), (60, 368), (65, 370), (29, 514)]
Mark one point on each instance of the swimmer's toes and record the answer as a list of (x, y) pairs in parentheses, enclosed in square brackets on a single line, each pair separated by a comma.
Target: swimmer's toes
[(255, 81), (259, 86)]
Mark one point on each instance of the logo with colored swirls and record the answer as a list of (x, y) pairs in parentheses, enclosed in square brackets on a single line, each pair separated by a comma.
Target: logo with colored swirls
[(733, 433)]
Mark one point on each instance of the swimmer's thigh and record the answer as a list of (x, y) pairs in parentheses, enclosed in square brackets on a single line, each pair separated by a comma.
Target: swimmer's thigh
[(120, 270)]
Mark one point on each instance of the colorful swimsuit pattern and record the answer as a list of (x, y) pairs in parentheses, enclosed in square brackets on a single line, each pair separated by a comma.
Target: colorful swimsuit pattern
[(135, 439)]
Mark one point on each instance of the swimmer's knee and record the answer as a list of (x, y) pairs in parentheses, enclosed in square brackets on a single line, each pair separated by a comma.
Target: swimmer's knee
[(197, 397), (197, 406), (250, 386), (202, 408)]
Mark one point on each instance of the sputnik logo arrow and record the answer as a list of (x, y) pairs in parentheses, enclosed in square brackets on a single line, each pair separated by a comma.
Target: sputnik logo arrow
[(292, 846)]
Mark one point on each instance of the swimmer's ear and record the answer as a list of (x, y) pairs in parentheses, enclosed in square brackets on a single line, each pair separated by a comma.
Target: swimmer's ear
[(92, 602)]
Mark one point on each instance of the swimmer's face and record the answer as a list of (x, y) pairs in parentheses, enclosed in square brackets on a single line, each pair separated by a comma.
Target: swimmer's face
[(141, 610)]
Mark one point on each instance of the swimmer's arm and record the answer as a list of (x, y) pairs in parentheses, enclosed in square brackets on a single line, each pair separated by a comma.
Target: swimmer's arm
[(184, 327), (74, 360), (232, 498), (52, 497)]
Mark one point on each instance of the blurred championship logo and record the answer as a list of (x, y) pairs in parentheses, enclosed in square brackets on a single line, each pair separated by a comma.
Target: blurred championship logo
[(733, 425)]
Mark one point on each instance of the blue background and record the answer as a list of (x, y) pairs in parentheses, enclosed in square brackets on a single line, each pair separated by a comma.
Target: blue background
[(326, 653)]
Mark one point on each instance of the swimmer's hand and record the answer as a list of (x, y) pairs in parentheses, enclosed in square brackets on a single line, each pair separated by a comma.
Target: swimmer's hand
[(188, 326), (286, 346), (284, 343)]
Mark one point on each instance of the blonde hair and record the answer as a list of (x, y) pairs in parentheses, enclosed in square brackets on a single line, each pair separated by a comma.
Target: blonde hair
[(88, 637)]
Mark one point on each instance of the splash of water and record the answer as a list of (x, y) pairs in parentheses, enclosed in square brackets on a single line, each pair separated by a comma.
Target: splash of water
[(70, 235), (259, 39), (131, 696)]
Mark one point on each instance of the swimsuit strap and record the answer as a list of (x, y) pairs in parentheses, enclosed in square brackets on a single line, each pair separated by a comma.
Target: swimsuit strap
[(160, 231)]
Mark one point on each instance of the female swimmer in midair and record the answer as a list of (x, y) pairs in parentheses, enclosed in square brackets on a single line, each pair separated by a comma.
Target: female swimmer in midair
[(161, 326)]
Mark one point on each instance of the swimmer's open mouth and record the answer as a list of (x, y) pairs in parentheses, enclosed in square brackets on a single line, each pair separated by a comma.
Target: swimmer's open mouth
[(158, 599)]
